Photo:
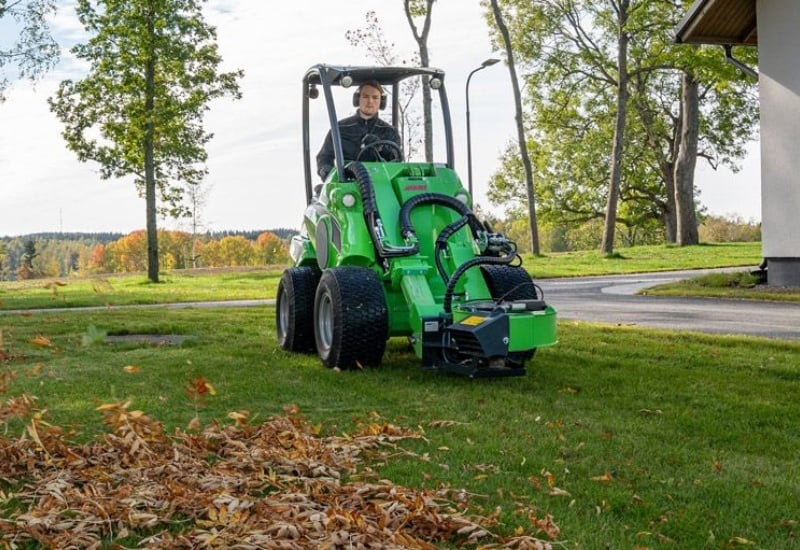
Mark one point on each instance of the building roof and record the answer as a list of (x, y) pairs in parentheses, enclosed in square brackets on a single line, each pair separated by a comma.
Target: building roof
[(719, 22)]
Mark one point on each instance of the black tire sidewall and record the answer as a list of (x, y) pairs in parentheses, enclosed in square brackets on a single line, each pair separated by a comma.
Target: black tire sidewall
[(296, 291)]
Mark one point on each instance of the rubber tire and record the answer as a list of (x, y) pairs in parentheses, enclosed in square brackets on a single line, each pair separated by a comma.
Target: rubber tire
[(294, 309), (351, 320), (509, 282)]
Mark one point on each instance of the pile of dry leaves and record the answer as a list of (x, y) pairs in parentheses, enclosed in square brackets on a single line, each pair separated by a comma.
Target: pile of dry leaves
[(278, 484)]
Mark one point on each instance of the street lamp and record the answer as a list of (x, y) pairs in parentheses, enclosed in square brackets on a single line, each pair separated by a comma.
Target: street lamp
[(487, 63)]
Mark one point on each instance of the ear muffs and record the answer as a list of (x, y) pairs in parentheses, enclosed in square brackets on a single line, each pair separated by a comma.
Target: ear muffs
[(357, 98)]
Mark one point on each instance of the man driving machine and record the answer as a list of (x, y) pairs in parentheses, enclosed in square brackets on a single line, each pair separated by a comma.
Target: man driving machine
[(364, 134)]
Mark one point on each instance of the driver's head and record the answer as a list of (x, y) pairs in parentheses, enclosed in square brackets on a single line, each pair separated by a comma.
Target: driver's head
[(369, 98)]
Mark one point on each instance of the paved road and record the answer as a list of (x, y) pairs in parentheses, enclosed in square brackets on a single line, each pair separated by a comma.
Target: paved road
[(611, 299)]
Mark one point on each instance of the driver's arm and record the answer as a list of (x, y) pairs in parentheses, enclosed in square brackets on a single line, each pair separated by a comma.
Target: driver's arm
[(395, 137), (325, 158)]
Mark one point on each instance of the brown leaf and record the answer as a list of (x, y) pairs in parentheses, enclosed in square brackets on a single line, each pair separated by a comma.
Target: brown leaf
[(41, 341), (35, 370), (605, 478)]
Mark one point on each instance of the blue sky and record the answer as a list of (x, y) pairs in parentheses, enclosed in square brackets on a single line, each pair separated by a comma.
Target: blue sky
[(255, 179)]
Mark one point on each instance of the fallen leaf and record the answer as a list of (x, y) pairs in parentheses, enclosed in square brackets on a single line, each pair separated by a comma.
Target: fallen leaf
[(605, 478), (651, 411), (35, 370), (741, 541), (444, 423), (239, 417), (41, 341)]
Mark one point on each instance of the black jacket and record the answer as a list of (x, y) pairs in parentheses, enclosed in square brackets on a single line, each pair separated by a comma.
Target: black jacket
[(355, 131)]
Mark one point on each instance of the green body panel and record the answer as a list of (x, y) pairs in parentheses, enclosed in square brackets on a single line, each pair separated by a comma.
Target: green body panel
[(336, 234), (527, 330)]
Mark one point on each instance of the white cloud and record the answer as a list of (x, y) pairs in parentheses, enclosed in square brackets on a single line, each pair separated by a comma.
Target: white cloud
[(256, 176)]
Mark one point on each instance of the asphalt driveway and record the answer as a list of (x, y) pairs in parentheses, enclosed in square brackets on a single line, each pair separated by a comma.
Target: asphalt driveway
[(612, 299)]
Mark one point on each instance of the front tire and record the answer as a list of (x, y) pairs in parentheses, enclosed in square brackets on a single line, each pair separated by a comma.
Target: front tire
[(350, 318), (509, 282), (294, 309)]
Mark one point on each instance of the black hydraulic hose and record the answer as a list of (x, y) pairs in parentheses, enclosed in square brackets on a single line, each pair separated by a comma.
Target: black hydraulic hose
[(407, 230), (447, 304), (441, 244), (468, 217), (360, 172), (371, 215)]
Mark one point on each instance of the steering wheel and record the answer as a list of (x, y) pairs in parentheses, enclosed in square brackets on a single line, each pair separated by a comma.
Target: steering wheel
[(379, 149)]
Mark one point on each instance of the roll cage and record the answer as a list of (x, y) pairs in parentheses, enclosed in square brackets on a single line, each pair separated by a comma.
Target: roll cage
[(327, 76)]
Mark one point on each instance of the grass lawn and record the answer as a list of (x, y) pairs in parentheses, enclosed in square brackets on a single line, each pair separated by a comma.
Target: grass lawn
[(645, 259), (741, 285), (135, 289), (629, 438)]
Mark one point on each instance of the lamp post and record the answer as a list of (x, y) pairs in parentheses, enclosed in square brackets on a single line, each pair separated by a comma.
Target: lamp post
[(487, 63)]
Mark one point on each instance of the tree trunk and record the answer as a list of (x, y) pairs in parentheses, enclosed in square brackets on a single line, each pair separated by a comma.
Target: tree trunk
[(669, 217), (666, 164), (667, 170), (685, 163), (615, 176), (424, 59), (427, 115), (149, 169), (523, 144)]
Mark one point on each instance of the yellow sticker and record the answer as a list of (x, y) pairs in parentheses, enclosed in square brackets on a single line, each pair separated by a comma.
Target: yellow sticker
[(473, 320)]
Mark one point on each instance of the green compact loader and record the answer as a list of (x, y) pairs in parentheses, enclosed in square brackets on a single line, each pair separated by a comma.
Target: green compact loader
[(393, 249)]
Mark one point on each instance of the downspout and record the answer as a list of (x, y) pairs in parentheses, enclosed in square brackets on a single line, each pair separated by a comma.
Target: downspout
[(738, 64)]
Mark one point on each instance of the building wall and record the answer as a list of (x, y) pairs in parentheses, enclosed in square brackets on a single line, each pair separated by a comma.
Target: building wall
[(779, 83)]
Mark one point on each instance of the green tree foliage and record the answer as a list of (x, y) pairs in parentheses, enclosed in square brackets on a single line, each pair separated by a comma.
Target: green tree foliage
[(139, 112), (3, 254), (571, 52), (33, 51), (719, 229)]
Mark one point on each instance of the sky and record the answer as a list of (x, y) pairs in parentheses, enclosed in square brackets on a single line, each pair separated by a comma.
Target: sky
[(255, 178)]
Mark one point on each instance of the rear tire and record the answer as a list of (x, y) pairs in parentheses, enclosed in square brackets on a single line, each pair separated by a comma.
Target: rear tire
[(350, 318), (294, 309)]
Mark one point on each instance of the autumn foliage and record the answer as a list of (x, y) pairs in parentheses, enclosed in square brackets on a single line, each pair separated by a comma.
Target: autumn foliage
[(52, 257), (278, 484), (177, 250)]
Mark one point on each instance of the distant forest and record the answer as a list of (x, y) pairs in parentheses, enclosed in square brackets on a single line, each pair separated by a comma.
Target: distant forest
[(105, 238), (55, 254)]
